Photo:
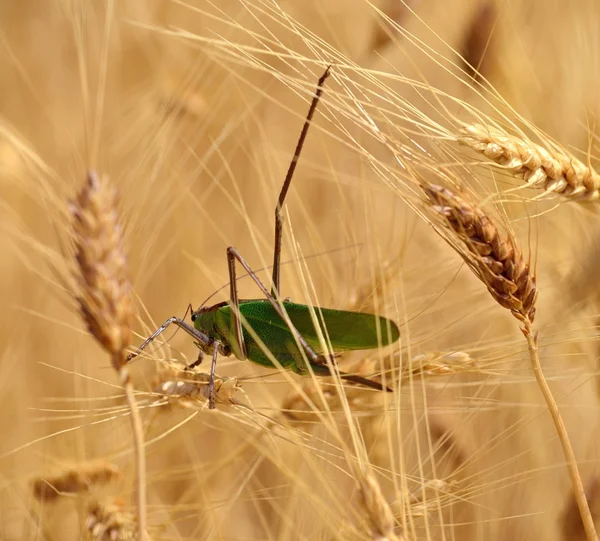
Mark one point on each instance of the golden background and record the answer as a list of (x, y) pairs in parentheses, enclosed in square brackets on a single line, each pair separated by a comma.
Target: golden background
[(192, 110)]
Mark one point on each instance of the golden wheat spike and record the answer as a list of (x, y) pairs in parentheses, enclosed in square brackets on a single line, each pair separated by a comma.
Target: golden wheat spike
[(376, 509), (553, 171), (77, 480), (492, 255), (109, 522), (104, 292), (190, 389), (437, 364)]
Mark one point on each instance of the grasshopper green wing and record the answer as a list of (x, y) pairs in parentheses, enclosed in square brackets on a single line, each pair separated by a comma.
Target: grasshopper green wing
[(346, 330)]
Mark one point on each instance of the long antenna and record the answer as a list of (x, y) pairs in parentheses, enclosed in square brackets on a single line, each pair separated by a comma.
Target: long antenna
[(287, 182)]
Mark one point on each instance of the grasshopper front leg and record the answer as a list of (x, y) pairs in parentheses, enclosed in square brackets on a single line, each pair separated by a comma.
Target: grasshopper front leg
[(200, 337)]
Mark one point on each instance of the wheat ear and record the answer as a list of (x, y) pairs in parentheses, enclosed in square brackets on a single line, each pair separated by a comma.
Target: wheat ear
[(109, 522), (189, 389), (103, 293), (79, 480), (437, 363), (376, 509), (495, 258), (553, 171)]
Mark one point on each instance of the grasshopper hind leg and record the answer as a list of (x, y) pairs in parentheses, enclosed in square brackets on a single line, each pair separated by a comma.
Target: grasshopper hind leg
[(323, 370), (275, 289)]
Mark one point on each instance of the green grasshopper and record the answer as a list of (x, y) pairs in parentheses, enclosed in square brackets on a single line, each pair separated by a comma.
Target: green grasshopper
[(286, 329)]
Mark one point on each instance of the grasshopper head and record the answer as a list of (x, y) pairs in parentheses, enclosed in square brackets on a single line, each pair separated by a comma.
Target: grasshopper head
[(204, 320)]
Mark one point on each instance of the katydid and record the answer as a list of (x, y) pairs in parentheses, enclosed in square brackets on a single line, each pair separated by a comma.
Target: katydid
[(286, 329)]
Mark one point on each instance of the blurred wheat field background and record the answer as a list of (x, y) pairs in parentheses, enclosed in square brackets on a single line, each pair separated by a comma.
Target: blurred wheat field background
[(191, 110)]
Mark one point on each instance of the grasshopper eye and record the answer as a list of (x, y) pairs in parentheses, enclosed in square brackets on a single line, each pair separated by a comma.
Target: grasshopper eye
[(194, 316)]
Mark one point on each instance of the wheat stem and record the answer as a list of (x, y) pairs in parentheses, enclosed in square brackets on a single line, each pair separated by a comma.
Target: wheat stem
[(140, 455), (104, 297), (561, 429), (495, 259)]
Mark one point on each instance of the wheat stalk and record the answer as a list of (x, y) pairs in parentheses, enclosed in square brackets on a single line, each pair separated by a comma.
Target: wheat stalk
[(572, 527), (80, 480), (553, 171), (103, 293), (495, 258)]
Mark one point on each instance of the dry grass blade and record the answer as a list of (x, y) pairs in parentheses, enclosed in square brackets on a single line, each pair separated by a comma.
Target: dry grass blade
[(492, 255), (73, 481), (553, 171), (190, 389), (104, 292), (581, 281), (109, 522), (104, 296), (369, 297), (321, 395), (478, 45), (422, 502), (296, 408)]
